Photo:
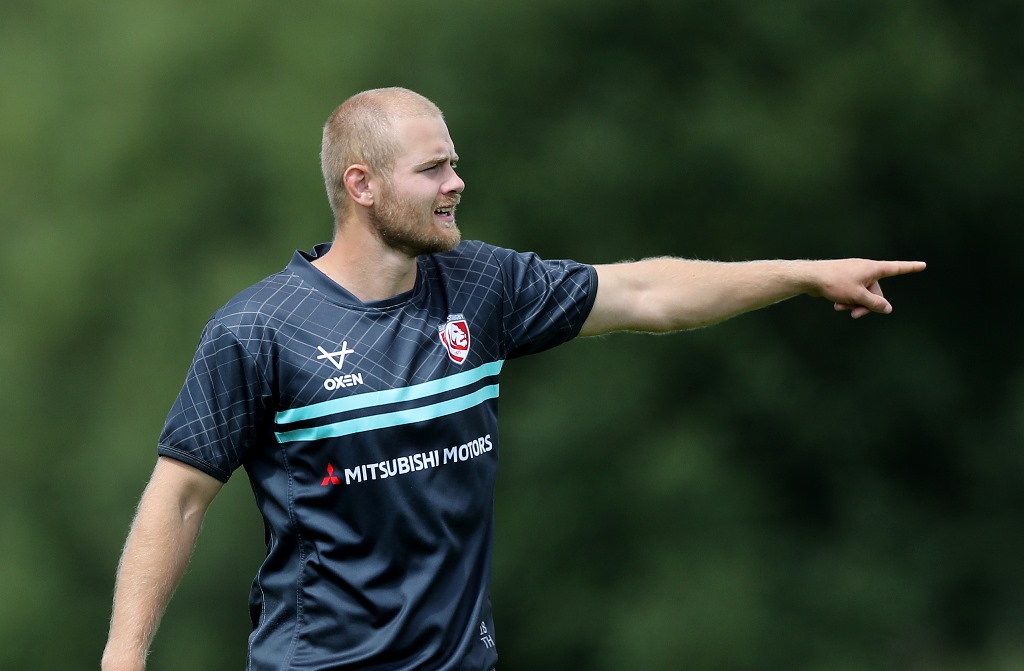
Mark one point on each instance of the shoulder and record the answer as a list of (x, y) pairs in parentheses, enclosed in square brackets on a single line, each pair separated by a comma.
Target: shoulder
[(474, 255), (469, 260), (467, 253), (264, 303)]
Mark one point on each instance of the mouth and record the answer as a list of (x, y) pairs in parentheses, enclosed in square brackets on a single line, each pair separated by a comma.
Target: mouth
[(446, 213)]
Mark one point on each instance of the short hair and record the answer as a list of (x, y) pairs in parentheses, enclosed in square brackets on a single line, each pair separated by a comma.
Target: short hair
[(361, 130)]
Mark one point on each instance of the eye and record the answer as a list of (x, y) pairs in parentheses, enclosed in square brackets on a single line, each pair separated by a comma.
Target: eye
[(437, 166)]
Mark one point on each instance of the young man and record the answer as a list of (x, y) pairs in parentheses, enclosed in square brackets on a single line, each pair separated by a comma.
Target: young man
[(358, 388)]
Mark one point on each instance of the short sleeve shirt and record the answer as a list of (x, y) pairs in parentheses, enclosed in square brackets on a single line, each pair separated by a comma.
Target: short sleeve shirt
[(369, 434)]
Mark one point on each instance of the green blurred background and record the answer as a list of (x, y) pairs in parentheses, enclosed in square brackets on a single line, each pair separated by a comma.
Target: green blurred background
[(789, 490)]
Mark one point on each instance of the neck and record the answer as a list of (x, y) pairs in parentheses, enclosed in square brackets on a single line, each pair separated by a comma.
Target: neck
[(366, 267)]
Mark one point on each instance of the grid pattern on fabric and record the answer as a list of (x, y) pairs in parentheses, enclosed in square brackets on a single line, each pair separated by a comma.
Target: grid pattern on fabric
[(237, 379), (372, 449)]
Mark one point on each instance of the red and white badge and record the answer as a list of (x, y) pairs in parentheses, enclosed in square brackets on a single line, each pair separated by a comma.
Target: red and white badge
[(455, 337)]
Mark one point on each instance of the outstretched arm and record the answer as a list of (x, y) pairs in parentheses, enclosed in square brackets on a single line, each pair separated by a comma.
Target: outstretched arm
[(155, 556), (666, 294)]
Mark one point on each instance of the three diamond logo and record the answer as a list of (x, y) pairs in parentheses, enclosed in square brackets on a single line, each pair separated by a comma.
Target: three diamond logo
[(331, 478)]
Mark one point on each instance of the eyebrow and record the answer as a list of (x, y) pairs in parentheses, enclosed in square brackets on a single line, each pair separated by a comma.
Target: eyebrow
[(438, 159)]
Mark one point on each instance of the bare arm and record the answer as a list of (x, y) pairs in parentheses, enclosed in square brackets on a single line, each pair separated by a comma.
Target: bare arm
[(155, 556), (660, 295)]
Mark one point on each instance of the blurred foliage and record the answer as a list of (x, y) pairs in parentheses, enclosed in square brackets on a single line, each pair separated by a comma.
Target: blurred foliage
[(789, 490)]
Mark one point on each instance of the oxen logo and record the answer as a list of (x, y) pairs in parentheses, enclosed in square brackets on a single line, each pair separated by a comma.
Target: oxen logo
[(340, 354), (455, 337), (338, 359)]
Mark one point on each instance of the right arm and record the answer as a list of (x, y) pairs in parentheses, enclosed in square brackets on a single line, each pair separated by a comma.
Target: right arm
[(666, 294), (155, 555)]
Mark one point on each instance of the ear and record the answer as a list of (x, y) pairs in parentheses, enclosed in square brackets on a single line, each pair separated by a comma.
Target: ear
[(356, 179)]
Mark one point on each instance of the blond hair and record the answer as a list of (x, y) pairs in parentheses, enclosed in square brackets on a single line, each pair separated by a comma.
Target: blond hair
[(361, 130)]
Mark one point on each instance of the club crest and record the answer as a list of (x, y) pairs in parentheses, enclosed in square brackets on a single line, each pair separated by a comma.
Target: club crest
[(454, 335)]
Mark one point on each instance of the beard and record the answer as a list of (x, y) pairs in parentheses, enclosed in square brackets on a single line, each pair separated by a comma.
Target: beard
[(409, 227)]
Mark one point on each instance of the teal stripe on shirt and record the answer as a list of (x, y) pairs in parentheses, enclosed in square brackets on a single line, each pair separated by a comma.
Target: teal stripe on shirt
[(375, 398), (390, 419)]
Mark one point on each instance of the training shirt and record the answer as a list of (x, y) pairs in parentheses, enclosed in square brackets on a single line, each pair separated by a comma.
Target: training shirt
[(370, 437)]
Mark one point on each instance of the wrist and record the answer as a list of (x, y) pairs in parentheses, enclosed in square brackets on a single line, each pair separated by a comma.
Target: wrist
[(804, 277)]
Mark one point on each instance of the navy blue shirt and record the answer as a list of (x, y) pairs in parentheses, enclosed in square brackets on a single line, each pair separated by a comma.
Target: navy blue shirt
[(369, 434)]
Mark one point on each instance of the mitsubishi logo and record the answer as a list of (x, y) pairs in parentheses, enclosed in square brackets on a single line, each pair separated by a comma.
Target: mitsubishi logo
[(331, 478), (340, 361)]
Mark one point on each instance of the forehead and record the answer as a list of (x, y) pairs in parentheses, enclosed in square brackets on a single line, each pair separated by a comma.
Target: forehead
[(422, 138)]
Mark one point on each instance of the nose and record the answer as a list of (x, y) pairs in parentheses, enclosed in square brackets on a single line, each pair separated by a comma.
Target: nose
[(454, 184)]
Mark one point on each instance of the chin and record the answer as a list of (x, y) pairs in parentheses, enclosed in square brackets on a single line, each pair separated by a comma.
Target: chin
[(444, 245), (447, 239), (435, 245), (454, 239)]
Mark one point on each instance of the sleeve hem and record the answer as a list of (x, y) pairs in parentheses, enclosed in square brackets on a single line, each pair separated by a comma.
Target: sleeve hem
[(589, 305), (185, 457)]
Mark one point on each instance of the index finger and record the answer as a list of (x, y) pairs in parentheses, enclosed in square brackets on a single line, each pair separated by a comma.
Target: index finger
[(892, 268)]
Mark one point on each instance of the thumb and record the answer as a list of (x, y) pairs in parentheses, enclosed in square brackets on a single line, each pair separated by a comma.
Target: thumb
[(873, 300)]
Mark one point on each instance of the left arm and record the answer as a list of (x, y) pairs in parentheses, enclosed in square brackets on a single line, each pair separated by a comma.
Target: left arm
[(666, 294)]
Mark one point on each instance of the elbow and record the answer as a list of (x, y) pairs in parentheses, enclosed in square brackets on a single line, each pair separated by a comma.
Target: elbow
[(658, 316)]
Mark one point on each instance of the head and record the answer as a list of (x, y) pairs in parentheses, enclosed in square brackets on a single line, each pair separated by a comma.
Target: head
[(375, 149)]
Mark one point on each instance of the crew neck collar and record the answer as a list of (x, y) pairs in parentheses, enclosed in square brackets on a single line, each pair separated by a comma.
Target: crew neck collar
[(302, 265)]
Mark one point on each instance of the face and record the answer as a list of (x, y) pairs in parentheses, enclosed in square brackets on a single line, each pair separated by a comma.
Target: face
[(414, 211)]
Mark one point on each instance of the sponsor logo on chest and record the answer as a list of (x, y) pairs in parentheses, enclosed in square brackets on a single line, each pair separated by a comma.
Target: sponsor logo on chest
[(338, 359)]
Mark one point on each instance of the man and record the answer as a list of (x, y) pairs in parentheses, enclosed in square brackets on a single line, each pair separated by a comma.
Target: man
[(358, 388)]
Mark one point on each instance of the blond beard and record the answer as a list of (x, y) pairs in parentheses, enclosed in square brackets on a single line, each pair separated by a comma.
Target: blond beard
[(402, 225)]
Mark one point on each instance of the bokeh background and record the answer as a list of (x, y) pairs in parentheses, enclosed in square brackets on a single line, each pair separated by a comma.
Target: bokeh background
[(789, 490)]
